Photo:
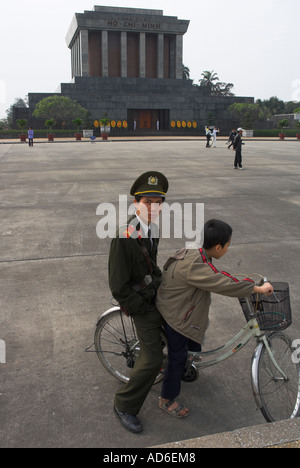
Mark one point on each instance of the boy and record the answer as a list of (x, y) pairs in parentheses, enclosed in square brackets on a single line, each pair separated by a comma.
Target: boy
[(184, 299)]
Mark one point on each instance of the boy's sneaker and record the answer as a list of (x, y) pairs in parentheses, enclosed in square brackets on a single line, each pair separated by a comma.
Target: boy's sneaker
[(241, 168)]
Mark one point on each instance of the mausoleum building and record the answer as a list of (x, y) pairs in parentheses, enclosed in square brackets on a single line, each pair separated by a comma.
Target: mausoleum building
[(128, 63)]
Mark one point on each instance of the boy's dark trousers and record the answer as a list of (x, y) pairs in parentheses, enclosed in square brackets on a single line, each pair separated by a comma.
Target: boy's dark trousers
[(178, 347), (238, 159)]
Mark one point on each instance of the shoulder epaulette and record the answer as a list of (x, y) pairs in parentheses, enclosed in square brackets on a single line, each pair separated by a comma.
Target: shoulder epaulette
[(128, 231)]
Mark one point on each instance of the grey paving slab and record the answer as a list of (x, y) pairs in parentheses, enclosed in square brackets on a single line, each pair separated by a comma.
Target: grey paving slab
[(53, 281)]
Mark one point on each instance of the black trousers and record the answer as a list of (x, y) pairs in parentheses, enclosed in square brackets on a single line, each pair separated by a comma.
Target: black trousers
[(178, 347), (238, 159), (131, 396), (30, 140)]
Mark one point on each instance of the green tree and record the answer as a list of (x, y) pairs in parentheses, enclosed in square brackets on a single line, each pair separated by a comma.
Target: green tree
[(59, 108), (185, 72), (208, 79), (245, 114), (222, 89), (283, 124), (78, 122), (22, 123), (271, 106), (4, 124), (19, 102), (49, 124)]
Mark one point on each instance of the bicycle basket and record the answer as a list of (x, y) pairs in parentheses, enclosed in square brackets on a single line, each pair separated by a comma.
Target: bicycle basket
[(272, 312)]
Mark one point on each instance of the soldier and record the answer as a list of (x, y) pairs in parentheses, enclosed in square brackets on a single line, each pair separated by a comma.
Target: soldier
[(134, 278)]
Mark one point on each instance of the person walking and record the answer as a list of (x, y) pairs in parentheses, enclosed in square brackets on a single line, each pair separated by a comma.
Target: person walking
[(231, 137), (30, 136), (214, 135), (237, 147), (134, 278), (208, 136)]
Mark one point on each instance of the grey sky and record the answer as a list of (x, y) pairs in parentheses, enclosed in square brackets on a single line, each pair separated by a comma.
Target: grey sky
[(251, 43)]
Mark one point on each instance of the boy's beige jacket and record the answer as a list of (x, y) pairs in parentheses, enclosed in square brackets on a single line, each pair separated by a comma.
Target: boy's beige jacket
[(184, 296)]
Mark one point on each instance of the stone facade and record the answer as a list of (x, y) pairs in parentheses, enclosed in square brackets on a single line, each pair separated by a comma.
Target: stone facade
[(126, 42), (127, 62), (292, 119)]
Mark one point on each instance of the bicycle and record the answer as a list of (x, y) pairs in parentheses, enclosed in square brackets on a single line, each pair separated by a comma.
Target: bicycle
[(275, 377)]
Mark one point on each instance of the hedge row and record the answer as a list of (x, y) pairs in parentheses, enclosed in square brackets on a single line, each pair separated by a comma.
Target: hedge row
[(14, 134), (275, 132)]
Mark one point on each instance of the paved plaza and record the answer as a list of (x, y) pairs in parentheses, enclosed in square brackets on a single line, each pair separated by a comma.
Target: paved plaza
[(53, 281)]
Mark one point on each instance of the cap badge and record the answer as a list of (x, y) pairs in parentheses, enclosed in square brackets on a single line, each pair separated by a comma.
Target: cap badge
[(153, 180)]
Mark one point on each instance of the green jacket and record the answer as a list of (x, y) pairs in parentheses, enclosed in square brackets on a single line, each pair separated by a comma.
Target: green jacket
[(128, 268)]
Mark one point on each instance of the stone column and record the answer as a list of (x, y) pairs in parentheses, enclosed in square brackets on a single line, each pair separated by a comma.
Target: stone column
[(77, 56), (72, 61), (84, 51), (105, 54), (173, 57), (142, 55), (75, 48), (160, 56), (123, 54), (178, 57)]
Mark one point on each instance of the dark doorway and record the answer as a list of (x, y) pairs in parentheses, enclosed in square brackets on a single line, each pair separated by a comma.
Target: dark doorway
[(148, 119)]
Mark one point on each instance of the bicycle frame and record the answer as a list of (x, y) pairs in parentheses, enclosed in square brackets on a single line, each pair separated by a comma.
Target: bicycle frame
[(251, 329)]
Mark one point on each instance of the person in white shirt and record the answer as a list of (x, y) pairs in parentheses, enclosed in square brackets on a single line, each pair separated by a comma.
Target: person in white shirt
[(214, 132), (30, 136)]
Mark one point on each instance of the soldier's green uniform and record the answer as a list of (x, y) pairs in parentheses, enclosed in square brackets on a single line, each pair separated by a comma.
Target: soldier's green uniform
[(134, 280)]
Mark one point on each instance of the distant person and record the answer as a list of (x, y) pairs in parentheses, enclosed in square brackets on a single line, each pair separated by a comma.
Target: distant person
[(30, 136), (237, 147), (231, 137), (214, 135), (208, 136)]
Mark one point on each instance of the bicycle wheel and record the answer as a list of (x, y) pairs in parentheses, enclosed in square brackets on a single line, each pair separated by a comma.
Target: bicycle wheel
[(117, 345), (277, 398)]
